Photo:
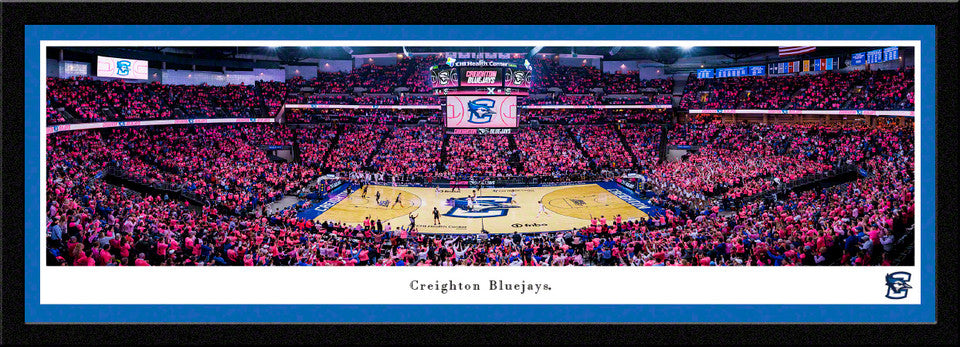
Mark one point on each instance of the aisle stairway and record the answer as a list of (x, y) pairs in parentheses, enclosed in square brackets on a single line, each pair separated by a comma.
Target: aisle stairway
[(333, 144), (626, 145), (383, 139)]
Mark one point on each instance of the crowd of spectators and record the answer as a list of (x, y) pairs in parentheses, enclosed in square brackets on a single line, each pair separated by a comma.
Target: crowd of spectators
[(631, 83), (375, 116), (856, 223), (548, 73), (97, 100), (54, 116), (407, 99), (633, 115), (883, 90), (196, 101), (602, 147), (222, 164), (273, 94), (549, 151), (478, 156), (828, 91), (356, 144), (415, 72), (83, 97), (237, 101), (586, 99), (644, 141), (593, 116), (93, 100), (315, 143), (409, 151), (639, 99)]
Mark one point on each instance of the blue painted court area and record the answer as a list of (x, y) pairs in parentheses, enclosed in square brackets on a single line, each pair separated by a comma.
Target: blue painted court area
[(334, 197), (635, 200)]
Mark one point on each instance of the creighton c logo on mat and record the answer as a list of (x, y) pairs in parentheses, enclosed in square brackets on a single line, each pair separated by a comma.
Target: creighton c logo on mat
[(485, 206), (897, 285)]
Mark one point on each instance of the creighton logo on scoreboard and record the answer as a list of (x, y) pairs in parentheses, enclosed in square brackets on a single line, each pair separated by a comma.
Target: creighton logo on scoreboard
[(481, 111), (444, 77), (123, 67), (518, 77), (484, 206)]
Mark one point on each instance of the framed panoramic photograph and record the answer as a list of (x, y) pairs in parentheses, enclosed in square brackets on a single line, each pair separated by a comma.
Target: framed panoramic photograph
[(479, 174), (404, 165)]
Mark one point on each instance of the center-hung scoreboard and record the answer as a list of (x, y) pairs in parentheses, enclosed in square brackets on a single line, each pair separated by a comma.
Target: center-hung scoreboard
[(480, 97)]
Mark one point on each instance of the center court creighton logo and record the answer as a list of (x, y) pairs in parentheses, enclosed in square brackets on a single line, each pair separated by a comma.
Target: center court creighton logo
[(481, 111), (897, 285), (123, 67), (485, 206)]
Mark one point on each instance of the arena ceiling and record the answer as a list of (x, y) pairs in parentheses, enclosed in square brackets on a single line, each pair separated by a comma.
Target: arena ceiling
[(608, 52), (297, 54)]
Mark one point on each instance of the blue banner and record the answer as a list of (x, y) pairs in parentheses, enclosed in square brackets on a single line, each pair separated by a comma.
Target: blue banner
[(704, 73), (732, 72), (875, 56), (858, 59), (891, 53)]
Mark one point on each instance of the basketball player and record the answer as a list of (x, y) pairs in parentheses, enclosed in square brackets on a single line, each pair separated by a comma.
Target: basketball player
[(378, 197), (364, 195), (413, 220), (436, 216), (397, 201), (542, 210), (513, 197), (438, 192)]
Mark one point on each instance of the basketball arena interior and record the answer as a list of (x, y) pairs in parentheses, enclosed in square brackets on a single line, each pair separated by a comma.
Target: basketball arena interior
[(479, 156)]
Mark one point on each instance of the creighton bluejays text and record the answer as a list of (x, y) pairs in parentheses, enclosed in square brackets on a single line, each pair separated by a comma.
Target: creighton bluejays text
[(445, 287)]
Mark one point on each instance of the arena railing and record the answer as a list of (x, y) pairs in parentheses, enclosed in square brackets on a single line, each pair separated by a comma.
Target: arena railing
[(103, 125), (498, 181), (812, 112), (534, 107)]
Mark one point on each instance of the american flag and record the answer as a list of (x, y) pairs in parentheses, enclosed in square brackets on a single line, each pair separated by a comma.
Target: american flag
[(794, 50)]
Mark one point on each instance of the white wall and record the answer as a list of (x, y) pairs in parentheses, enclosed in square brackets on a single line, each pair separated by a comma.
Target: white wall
[(376, 59), (580, 60), (325, 65), (306, 72), (887, 65), (70, 69), (53, 68), (646, 70)]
